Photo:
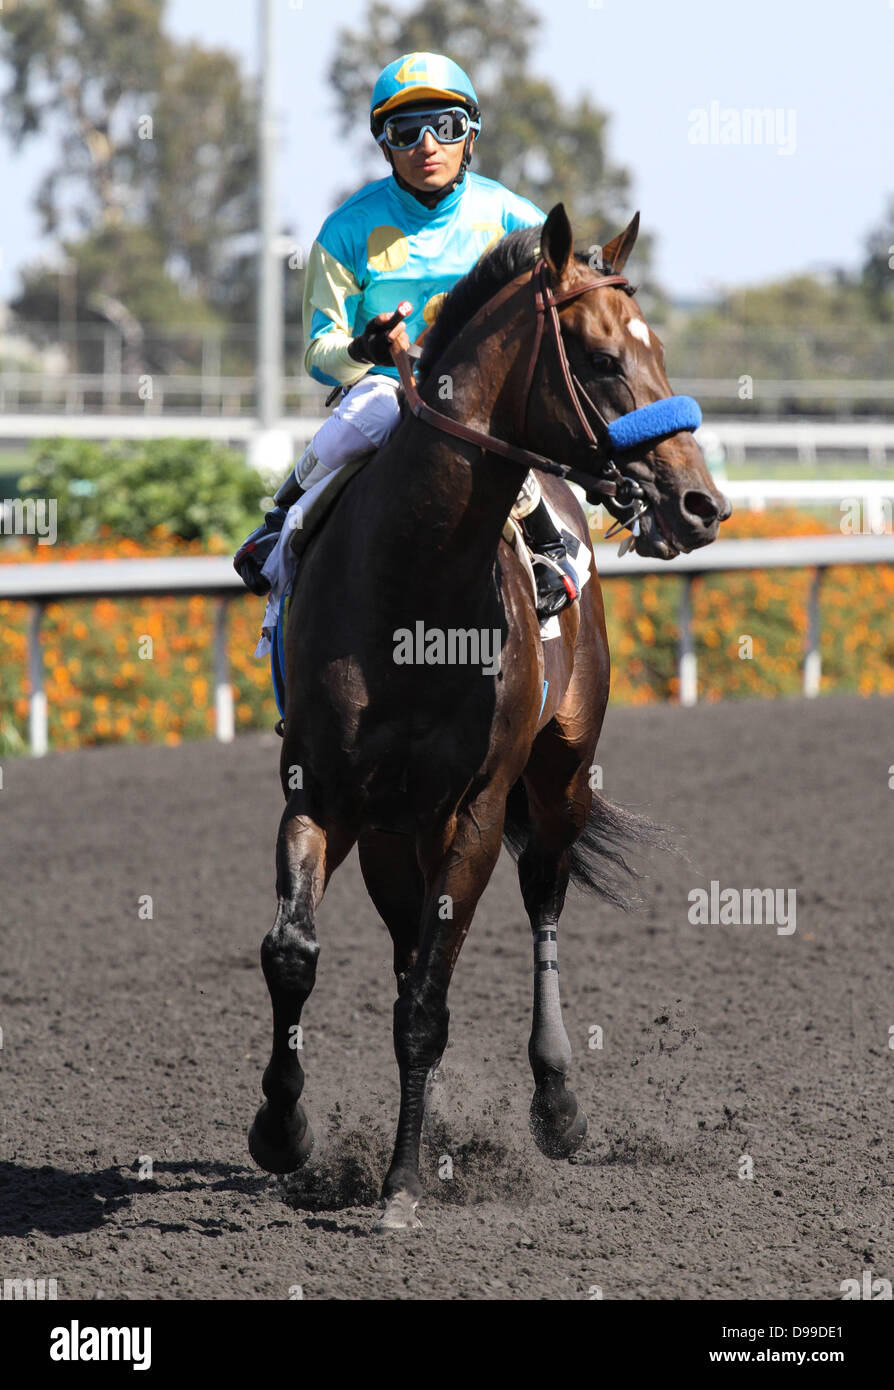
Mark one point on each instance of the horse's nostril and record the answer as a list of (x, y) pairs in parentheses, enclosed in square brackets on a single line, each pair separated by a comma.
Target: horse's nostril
[(700, 505)]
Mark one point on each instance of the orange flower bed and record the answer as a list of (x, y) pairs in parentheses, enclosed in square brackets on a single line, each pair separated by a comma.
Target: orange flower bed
[(130, 670), (141, 670), (751, 625)]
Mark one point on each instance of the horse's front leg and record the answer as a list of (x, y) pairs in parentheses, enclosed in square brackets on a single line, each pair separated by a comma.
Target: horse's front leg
[(457, 868), (281, 1139)]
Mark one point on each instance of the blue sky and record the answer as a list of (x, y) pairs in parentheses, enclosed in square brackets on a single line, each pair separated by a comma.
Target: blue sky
[(722, 213)]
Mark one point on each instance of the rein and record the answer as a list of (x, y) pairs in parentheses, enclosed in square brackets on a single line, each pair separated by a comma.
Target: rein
[(611, 483)]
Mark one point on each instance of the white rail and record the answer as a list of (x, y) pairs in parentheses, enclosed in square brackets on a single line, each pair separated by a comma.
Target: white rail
[(797, 552), (236, 428), (806, 438), (39, 585), (873, 497), (874, 438), (67, 393)]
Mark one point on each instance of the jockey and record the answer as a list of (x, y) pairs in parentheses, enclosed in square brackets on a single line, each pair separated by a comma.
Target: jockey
[(409, 236)]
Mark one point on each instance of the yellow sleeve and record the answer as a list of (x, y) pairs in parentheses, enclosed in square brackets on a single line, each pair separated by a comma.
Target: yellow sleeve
[(328, 285)]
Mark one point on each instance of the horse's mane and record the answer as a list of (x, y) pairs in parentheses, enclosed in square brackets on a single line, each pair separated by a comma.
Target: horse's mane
[(513, 254)]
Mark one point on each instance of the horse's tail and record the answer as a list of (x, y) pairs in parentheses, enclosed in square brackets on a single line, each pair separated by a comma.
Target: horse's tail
[(598, 864)]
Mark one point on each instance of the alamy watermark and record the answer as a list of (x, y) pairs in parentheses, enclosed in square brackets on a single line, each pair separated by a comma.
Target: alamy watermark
[(29, 516), (743, 906), (771, 126), (868, 1287), (866, 516), (77, 1343), (28, 1290), (452, 646)]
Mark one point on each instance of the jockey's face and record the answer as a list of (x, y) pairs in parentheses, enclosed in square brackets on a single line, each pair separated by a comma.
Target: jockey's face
[(429, 165)]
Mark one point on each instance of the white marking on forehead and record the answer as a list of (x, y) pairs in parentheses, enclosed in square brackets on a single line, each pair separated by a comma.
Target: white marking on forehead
[(637, 329)]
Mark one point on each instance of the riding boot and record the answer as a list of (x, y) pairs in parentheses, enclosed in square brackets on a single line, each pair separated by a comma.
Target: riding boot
[(557, 582), (253, 553)]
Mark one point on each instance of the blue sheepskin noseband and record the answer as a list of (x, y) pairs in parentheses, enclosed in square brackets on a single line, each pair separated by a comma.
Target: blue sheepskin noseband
[(653, 422)]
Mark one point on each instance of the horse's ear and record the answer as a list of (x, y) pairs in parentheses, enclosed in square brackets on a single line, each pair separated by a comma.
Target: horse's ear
[(556, 241), (618, 249)]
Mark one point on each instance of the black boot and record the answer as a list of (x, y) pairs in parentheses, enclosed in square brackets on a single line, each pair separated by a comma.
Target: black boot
[(250, 558), (557, 583)]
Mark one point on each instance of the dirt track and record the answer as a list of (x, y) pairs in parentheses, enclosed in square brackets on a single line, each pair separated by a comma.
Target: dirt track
[(125, 1037)]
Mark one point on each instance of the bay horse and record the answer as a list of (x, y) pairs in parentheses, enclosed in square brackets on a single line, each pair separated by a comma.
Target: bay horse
[(428, 767)]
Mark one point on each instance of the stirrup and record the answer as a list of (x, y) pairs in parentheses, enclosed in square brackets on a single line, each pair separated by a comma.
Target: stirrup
[(557, 583)]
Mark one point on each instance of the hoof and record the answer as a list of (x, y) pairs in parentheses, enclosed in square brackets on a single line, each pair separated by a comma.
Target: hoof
[(558, 1132), (399, 1214), (290, 1150)]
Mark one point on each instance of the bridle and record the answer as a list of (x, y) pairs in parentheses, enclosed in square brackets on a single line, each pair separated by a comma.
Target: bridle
[(609, 483)]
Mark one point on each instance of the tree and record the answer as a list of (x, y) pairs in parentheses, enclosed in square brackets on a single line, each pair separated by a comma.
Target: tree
[(120, 278), (85, 68), (199, 169), (531, 140), (878, 268), (156, 153)]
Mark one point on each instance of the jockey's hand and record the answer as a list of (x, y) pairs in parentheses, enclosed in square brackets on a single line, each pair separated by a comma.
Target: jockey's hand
[(374, 343)]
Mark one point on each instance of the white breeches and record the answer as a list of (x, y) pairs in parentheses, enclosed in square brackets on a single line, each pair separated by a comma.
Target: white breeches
[(363, 420)]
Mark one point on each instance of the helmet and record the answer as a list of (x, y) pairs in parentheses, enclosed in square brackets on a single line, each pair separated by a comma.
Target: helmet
[(416, 77)]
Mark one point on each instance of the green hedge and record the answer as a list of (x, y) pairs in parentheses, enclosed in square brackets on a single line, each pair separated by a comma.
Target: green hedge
[(190, 488)]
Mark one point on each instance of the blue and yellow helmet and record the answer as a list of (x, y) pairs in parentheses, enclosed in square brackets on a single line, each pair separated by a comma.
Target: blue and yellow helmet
[(418, 77)]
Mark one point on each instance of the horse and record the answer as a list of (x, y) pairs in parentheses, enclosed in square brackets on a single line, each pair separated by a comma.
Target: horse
[(428, 764)]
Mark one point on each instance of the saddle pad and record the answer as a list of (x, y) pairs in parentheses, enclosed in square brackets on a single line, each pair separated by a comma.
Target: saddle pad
[(578, 554)]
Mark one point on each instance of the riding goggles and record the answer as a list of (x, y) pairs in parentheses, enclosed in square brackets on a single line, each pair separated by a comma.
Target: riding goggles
[(448, 125)]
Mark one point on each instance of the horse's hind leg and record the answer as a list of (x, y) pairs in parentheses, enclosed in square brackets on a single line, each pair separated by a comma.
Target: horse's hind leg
[(456, 868), (281, 1139), (395, 883), (558, 1123)]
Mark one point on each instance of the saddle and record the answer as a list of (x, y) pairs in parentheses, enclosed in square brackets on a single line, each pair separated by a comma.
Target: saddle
[(316, 511)]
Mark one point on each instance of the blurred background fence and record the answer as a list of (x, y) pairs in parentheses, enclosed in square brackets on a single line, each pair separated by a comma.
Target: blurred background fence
[(828, 375)]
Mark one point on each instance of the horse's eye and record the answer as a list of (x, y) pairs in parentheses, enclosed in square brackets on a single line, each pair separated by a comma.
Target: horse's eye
[(605, 363)]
